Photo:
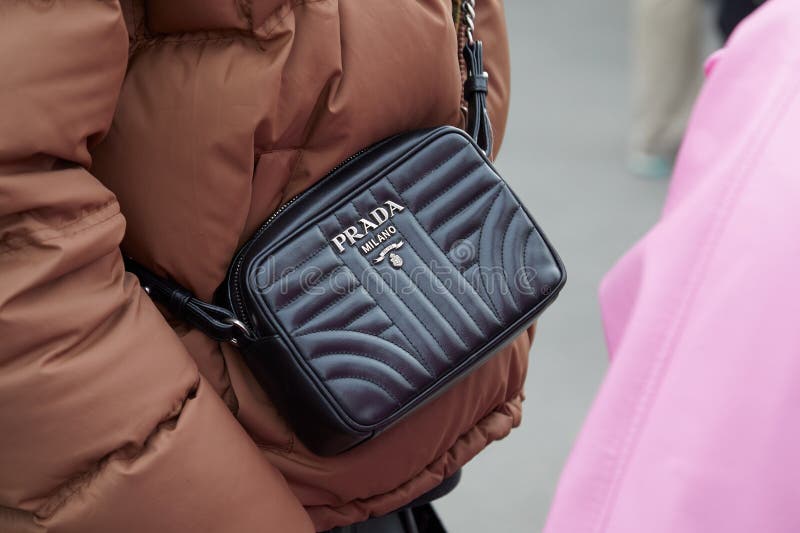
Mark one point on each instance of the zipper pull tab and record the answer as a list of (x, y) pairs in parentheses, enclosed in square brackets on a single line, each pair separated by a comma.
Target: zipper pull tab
[(476, 87)]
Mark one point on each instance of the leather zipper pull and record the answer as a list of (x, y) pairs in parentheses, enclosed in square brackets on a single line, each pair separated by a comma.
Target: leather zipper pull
[(476, 87)]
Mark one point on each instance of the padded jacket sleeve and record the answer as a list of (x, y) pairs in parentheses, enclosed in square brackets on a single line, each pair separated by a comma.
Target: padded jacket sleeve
[(105, 422)]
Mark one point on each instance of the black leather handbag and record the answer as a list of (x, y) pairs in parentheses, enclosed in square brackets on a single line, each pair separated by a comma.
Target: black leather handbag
[(402, 270)]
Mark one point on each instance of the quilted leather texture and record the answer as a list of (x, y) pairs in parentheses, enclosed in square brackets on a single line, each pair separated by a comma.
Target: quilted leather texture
[(386, 318)]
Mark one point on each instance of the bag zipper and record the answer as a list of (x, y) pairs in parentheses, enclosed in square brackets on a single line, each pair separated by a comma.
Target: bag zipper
[(239, 261)]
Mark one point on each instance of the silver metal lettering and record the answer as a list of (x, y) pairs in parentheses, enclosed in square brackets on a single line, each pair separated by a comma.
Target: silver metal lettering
[(353, 234), (393, 207), (377, 217), (339, 241)]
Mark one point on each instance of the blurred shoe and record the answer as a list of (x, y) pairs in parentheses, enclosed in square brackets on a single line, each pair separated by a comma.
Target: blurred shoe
[(650, 166)]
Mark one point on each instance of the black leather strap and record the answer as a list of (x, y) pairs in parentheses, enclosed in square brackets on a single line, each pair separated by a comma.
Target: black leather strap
[(216, 322), (476, 88)]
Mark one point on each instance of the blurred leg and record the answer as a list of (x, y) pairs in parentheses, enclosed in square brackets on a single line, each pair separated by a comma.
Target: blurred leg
[(667, 71)]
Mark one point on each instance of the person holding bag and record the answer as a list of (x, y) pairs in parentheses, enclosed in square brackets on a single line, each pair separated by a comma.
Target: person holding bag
[(175, 130)]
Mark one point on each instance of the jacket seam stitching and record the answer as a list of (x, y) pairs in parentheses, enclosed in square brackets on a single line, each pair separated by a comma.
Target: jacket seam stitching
[(245, 9), (29, 242), (234, 35), (86, 477), (292, 7)]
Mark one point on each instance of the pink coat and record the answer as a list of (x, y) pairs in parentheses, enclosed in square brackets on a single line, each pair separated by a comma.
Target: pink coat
[(697, 426)]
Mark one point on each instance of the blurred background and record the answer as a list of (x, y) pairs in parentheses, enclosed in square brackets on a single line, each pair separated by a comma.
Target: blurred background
[(596, 116)]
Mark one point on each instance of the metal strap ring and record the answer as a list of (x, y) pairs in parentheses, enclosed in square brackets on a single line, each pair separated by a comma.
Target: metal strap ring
[(235, 322)]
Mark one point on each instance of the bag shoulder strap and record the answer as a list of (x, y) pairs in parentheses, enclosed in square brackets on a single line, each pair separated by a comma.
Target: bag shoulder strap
[(217, 322), (476, 85)]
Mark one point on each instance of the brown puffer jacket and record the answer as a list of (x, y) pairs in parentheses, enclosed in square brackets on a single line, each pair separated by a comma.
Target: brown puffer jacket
[(173, 128)]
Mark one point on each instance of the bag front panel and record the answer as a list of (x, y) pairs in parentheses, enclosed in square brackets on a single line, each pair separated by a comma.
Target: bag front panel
[(406, 283)]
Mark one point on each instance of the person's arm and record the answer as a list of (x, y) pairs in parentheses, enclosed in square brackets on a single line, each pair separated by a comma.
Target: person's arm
[(105, 422)]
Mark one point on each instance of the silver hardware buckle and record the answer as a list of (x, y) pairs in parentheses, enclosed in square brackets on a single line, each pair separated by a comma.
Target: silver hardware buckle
[(238, 324)]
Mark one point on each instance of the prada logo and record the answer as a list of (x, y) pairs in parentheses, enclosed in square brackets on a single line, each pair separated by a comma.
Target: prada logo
[(395, 260), (376, 218)]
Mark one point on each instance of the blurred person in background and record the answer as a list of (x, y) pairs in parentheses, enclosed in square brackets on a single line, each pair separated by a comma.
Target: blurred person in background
[(668, 46), (667, 73)]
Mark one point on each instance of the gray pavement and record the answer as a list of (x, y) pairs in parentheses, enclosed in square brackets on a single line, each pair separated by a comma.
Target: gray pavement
[(564, 155)]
